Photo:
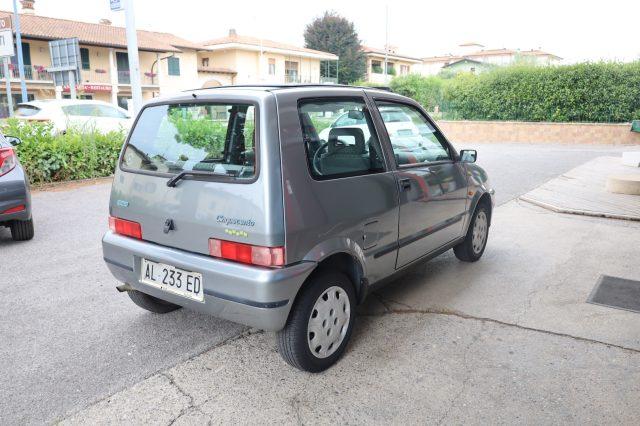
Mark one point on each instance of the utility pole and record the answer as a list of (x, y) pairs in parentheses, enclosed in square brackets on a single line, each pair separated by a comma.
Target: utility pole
[(134, 62), (23, 85), (386, 43)]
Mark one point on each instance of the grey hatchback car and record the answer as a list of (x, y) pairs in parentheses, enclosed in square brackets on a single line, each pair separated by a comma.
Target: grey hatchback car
[(15, 196), (227, 201)]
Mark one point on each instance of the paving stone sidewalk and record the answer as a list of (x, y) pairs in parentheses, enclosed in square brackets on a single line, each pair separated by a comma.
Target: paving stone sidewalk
[(582, 191)]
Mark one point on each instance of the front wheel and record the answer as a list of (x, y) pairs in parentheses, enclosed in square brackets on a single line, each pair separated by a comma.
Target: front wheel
[(320, 323), (474, 243)]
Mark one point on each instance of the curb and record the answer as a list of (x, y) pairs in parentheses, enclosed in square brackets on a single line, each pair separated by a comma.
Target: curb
[(590, 213), (68, 184)]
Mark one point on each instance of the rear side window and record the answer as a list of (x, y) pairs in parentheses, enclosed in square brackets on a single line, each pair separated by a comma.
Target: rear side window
[(339, 138), (215, 138), (26, 110)]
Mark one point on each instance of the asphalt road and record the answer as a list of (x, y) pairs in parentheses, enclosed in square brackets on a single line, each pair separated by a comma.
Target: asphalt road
[(69, 339)]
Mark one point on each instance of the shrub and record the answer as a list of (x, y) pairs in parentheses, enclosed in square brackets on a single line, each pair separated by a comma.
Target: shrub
[(50, 157), (591, 92), (425, 90)]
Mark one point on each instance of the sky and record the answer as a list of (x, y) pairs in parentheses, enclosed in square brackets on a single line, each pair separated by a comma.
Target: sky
[(574, 30)]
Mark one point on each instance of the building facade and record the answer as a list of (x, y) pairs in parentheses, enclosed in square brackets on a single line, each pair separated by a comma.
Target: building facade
[(473, 57), (397, 64), (238, 59), (167, 63)]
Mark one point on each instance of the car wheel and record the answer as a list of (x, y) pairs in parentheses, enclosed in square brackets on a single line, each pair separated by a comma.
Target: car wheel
[(22, 230), (150, 303), (320, 323), (474, 243)]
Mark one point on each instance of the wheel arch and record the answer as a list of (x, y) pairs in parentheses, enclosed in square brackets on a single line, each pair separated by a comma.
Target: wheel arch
[(344, 255)]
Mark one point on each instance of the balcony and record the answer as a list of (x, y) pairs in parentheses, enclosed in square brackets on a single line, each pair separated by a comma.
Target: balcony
[(32, 73)]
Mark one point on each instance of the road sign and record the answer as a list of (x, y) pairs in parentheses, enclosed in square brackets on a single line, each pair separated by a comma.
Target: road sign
[(65, 63), (116, 5), (6, 37)]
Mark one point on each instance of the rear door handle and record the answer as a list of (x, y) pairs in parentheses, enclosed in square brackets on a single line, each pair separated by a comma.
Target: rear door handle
[(405, 184)]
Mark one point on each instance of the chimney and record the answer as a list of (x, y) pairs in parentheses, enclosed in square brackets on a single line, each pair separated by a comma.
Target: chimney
[(105, 21), (232, 32), (27, 7)]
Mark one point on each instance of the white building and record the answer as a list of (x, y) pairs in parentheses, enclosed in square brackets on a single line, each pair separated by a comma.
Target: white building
[(475, 52)]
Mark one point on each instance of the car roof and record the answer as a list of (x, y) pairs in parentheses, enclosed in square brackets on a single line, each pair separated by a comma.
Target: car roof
[(282, 87)]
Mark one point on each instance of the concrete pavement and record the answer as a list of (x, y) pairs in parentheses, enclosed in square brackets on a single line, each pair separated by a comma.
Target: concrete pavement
[(507, 340), (583, 190), (69, 339)]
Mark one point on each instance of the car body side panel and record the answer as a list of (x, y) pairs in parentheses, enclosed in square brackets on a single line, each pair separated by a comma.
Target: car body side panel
[(356, 215)]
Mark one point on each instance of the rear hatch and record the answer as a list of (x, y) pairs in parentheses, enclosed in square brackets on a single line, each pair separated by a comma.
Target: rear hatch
[(194, 170)]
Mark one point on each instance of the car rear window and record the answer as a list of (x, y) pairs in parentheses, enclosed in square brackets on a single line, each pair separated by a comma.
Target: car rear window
[(26, 110), (215, 138)]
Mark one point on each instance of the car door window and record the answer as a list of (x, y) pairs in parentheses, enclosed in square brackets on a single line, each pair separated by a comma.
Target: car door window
[(109, 112), (413, 138), (339, 138)]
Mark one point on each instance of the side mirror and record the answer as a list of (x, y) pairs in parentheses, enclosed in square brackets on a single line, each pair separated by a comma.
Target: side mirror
[(13, 140), (468, 155)]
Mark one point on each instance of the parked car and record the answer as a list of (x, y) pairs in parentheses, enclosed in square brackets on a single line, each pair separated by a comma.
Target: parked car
[(396, 121), (15, 197), (81, 114), (256, 219)]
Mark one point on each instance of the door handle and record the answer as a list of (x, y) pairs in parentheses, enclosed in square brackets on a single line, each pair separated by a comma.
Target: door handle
[(405, 184)]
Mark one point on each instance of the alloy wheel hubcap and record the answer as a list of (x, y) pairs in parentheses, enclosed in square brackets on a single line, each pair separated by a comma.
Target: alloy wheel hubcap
[(328, 322), (480, 228)]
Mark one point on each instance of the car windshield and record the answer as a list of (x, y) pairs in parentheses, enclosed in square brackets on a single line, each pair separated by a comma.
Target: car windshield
[(215, 138)]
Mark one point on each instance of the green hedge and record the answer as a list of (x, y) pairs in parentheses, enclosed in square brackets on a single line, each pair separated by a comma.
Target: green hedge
[(587, 92), (50, 157)]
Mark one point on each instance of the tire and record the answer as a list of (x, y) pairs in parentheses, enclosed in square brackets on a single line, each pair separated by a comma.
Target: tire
[(324, 290), (466, 251), (150, 303), (21, 230)]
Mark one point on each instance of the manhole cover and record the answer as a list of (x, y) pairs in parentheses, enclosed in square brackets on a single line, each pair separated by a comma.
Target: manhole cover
[(614, 292)]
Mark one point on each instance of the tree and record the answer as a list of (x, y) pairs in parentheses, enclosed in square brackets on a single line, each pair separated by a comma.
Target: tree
[(335, 34)]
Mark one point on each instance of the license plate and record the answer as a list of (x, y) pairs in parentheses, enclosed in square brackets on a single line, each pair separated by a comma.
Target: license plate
[(174, 280)]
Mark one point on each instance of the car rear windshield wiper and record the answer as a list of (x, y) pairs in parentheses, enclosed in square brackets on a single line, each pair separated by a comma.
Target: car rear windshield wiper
[(171, 183)]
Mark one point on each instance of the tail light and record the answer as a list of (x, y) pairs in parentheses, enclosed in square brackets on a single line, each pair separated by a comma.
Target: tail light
[(246, 253), (8, 160), (15, 209), (125, 227)]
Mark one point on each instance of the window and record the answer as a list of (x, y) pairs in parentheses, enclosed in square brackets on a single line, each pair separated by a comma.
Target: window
[(84, 58), (82, 110), (338, 150), (291, 72), (174, 65), (174, 138), (205, 62), (123, 102), (272, 66), (376, 67), (122, 64), (413, 138), (404, 69)]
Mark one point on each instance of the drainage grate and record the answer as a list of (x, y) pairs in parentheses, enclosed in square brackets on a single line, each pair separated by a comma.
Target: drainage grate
[(614, 292)]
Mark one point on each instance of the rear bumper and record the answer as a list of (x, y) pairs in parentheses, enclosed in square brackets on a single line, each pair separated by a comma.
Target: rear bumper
[(257, 297), (14, 192)]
